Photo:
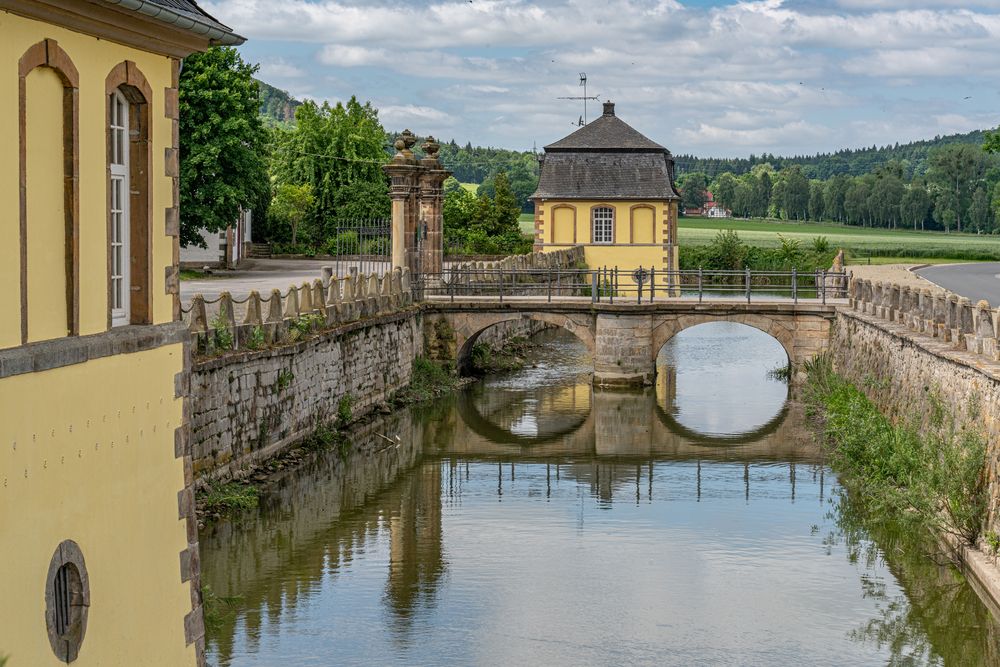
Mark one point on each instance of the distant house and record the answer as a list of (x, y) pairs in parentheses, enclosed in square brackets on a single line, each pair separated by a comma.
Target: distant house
[(223, 250), (711, 209), (610, 189)]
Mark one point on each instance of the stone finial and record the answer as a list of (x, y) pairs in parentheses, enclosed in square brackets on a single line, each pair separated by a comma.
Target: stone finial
[(431, 147), (403, 144)]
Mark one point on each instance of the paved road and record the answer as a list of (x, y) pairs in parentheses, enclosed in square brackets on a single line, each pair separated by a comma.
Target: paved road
[(976, 281), (262, 275)]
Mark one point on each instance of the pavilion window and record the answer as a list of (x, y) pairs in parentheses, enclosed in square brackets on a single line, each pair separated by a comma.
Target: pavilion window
[(603, 224)]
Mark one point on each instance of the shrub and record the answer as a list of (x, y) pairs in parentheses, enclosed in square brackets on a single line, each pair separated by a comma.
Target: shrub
[(932, 476)]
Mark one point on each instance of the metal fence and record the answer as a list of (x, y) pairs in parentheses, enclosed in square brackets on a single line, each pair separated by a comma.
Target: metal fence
[(365, 245), (640, 285)]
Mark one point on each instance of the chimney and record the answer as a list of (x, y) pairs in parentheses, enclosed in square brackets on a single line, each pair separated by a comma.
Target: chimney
[(609, 108)]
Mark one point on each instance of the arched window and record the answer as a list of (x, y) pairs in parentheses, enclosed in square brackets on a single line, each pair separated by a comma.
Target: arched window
[(118, 165), (602, 220), (129, 202)]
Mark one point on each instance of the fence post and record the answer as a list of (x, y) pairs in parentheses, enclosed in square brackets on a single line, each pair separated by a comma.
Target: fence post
[(501, 282), (795, 285), (652, 283), (594, 294), (823, 288), (700, 283), (748, 285), (548, 284)]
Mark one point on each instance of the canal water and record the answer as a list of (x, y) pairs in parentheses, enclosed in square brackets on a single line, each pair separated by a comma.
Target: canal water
[(533, 520)]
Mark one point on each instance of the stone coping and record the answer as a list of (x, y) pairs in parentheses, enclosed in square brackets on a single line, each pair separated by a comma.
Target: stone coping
[(929, 344), (59, 352), (623, 306), (242, 355)]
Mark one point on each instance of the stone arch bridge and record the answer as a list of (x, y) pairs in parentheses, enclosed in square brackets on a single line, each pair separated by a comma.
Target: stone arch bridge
[(624, 339)]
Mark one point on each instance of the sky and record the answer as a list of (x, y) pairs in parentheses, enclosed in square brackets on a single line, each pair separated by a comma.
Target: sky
[(711, 78)]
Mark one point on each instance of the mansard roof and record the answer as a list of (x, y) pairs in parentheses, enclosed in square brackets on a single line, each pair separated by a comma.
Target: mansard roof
[(607, 159), (608, 132)]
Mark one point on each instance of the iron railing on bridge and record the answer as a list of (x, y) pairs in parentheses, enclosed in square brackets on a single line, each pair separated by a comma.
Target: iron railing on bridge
[(641, 285)]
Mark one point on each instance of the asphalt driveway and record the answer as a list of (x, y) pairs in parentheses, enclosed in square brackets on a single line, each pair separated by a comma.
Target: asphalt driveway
[(976, 281)]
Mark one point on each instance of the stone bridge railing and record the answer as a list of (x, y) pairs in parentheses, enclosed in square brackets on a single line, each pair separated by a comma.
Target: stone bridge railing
[(216, 326), (951, 318), (568, 258)]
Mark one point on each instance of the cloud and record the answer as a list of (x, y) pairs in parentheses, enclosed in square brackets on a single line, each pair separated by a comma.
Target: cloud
[(782, 76)]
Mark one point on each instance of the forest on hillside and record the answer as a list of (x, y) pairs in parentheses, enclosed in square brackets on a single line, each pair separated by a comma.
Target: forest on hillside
[(948, 182)]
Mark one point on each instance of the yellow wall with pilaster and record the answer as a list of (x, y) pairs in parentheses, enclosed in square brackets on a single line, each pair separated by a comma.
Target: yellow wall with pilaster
[(87, 453), (94, 60), (86, 449), (639, 235)]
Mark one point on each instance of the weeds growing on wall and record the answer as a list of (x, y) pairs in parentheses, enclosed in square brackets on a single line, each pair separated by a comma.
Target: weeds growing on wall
[(931, 476), (229, 497), (222, 337), (344, 410), (428, 380), (510, 357)]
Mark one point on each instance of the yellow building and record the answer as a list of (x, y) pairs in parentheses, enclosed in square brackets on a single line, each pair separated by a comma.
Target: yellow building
[(97, 532), (610, 189)]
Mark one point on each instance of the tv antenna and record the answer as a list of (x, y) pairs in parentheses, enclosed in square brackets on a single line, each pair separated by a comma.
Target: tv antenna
[(584, 97)]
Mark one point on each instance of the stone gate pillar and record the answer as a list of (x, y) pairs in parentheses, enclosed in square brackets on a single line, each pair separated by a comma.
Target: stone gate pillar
[(404, 177), (432, 180)]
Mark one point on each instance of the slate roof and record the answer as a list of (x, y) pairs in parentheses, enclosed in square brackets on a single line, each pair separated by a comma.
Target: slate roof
[(607, 159)]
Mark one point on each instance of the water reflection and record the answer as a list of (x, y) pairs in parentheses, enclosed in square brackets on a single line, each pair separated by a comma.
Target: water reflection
[(534, 520)]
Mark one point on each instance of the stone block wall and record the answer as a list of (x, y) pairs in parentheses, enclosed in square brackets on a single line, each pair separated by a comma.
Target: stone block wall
[(904, 346), (250, 405)]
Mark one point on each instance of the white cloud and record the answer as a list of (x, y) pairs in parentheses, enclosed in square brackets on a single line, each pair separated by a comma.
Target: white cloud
[(751, 75)]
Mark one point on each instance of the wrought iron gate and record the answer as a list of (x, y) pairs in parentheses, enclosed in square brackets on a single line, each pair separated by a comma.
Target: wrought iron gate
[(364, 245)]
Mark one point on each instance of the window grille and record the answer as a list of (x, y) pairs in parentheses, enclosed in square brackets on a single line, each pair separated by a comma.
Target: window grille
[(603, 219)]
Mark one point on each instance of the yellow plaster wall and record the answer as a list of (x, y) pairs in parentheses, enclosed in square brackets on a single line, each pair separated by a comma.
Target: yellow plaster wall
[(87, 453), (644, 251), (45, 205), (94, 59)]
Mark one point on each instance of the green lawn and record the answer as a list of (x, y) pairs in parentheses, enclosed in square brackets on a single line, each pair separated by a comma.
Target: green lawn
[(471, 187), (859, 242), (527, 221)]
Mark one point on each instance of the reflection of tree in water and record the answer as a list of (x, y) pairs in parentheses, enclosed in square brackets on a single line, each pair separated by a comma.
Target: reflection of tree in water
[(914, 626)]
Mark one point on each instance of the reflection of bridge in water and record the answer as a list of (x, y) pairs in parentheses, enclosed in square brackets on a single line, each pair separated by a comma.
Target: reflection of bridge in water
[(316, 520)]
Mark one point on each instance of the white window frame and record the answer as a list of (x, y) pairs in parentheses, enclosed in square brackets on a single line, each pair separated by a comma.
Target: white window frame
[(119, 233), (602, 225)]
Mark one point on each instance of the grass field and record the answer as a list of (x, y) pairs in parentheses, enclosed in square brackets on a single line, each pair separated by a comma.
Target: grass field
[(471, 187), (862, 244), (883, 245)]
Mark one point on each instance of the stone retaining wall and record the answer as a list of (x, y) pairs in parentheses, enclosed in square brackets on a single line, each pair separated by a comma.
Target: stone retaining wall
[(248, 406), (903, 346)]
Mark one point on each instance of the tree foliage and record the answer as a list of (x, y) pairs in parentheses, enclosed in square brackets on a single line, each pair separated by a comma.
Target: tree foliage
[(223, 143)]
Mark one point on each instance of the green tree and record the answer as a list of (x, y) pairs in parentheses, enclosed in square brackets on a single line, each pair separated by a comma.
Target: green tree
[(694, 188), (817, 201), (980, 215), (292, 204), (991, 144), (916, 204), (724, 190), (223, 143), (795, 194), (363, 200), (958, 169)]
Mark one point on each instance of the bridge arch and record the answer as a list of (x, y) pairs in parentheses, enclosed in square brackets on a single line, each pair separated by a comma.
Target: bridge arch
[(782, 331), (469, 327)]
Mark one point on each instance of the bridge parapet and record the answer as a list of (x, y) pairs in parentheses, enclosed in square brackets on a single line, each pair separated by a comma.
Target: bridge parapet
[(937, 313), (225, 323)]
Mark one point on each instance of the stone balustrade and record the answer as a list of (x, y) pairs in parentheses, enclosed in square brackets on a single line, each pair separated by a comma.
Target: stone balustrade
[(215, 325), (948, 317)]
